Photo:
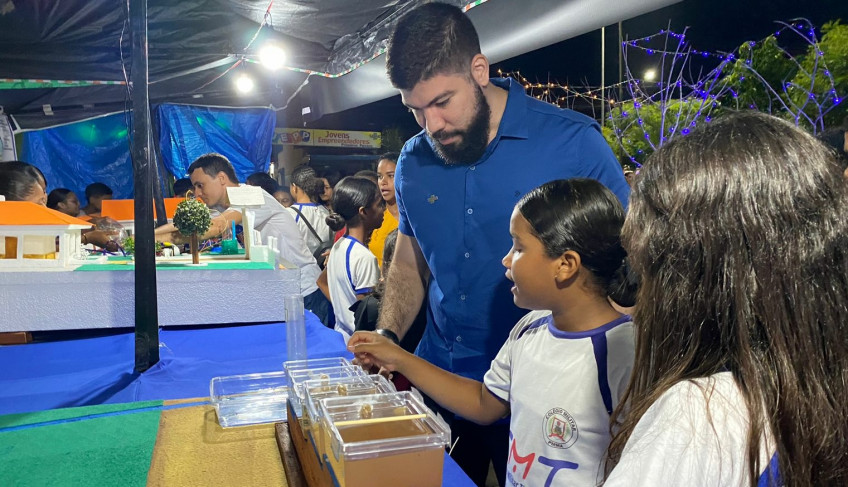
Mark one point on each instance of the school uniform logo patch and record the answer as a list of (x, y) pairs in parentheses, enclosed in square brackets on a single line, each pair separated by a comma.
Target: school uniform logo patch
[(559, 428)]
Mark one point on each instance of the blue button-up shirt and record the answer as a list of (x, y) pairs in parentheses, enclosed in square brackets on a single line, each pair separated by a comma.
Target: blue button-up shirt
[(459, 214)]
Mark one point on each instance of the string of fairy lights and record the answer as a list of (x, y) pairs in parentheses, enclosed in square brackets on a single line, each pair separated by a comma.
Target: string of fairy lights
[(562, 95), (684, 101)]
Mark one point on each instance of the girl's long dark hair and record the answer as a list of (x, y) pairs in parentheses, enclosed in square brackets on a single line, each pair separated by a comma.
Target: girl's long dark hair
[(739, 233), (349, 196), (582, 215)]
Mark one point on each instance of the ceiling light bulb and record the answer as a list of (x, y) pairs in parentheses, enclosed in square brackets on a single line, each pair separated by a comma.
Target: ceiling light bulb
[(244, 83), (650, 75), (272, 56)]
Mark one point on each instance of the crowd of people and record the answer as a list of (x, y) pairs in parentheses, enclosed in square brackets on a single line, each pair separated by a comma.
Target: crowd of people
[(732, 369), (687, 324)]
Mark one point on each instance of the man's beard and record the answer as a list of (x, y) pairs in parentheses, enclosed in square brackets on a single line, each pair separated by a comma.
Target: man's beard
[(472, 141)]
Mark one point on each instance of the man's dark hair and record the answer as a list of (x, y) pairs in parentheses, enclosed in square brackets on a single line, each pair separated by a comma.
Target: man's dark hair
[(212, 164), (432, 39), (305, 178), (264, 181), (181, 186), (97, 189)]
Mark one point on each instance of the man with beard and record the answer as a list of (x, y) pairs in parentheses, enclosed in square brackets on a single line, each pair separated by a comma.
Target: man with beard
[(485, 144)]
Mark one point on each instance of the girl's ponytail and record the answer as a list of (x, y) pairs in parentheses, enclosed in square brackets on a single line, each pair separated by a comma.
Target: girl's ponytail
[(335, 221), (624, 285)]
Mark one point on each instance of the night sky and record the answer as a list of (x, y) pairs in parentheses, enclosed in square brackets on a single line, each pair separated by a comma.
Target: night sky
[(714, 25)]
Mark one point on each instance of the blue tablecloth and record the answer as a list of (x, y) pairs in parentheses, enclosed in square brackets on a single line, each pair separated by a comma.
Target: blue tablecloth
[(82, 372), (69, 373)]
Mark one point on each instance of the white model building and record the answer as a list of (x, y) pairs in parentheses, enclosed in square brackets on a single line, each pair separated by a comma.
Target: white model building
[(35, 237)]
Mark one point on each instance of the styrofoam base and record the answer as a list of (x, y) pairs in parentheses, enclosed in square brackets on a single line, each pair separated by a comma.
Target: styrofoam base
[(34, 301)]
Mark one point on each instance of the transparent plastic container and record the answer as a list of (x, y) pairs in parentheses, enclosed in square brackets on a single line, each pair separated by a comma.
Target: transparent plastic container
[(316, 390), (315, 363), (295, 377), (295, 327), (384, 439), (241, 400)]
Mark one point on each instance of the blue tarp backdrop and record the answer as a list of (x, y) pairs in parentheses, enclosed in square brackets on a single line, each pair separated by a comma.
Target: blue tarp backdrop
[(243, 135), (76, 155)]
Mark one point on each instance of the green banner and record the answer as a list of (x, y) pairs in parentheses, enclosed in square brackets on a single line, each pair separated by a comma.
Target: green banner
[(28, 84)]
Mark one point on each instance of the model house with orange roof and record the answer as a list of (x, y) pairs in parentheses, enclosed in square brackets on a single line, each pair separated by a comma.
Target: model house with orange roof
[(35, 237)]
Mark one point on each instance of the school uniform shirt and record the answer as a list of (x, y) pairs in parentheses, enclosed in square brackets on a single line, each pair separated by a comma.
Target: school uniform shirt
[(351, 271), (317, 216), (561, 388), (695, 434)]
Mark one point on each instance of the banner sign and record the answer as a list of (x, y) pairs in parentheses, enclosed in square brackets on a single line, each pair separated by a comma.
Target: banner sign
[(7, 140), (26, 84), (328, 138), (292, 137)]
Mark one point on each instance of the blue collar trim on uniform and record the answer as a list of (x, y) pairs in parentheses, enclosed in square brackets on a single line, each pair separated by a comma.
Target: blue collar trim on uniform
[(305, 204), (557, 333), (355, 240), (512, 122), (347, 266), (545, 320), (347, 263)]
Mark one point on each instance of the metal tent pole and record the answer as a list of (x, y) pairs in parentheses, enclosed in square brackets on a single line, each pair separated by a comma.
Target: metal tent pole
[(603, 73), (146, 306)]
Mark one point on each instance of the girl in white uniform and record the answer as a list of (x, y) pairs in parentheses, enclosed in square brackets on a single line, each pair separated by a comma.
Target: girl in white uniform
[(306, 190), (740, 236), (352, 270), (564, 367)]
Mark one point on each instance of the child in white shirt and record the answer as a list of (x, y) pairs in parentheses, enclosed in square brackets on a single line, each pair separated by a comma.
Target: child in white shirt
[(564, 367), (739, 234), (352, 270)]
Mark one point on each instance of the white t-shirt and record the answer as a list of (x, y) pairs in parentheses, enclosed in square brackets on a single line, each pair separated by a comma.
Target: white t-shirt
[(351, 270), (675, 443), (272, 219), (561, 387), (317, 216)]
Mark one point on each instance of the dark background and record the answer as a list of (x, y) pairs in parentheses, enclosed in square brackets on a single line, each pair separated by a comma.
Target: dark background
[(713, 25)]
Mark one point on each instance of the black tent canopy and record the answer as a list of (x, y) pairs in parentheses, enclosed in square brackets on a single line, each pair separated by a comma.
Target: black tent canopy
[(333, 47)]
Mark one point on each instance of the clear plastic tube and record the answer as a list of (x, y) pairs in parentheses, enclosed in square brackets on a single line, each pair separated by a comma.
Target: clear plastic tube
[(295, 327)]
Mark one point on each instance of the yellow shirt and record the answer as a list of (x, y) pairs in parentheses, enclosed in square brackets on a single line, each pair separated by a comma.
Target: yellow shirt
[(378, 237)]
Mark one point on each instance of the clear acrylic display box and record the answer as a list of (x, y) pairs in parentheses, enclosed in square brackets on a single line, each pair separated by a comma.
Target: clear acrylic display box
[(316, 390), (384, 439), (295, 377), (247, 399)]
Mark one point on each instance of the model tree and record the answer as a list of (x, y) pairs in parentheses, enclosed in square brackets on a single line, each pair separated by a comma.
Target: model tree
[(192, 219)]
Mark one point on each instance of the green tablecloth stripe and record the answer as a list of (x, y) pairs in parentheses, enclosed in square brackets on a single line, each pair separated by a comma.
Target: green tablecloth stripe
[(111, 450)]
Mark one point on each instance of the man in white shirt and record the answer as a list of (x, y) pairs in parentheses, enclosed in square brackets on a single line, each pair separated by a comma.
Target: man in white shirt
[(211, 175)]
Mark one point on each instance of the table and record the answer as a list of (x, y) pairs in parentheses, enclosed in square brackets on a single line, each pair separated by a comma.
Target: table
[(102, 295), (152, 443), (75, 412)]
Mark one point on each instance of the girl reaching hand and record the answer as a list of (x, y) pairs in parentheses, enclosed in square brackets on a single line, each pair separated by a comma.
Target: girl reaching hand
[(564, 366)]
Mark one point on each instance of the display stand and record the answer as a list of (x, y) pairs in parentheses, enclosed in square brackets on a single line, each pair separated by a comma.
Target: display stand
[(298, 454)]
